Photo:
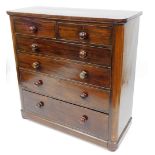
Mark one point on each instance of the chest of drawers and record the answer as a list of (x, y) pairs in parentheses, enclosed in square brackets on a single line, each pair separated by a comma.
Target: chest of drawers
[(76, 69)]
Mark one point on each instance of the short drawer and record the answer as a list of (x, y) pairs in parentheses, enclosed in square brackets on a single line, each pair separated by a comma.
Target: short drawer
[(100, 56), (65, 69), (34, 27), (78, 94), (93, 34), (74, 117)]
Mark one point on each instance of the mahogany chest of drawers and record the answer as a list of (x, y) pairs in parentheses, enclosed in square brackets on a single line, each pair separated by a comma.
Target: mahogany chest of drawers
[(76, 69)]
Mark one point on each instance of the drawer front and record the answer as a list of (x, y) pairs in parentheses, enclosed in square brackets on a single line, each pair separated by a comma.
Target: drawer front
[(64, 69), (34, 27), (74, 117), (100, 56), (82, 95), (93, 34)]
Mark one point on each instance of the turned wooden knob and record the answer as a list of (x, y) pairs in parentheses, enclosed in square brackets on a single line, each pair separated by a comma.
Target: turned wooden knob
[(83, 75), (35, 47), (82, 54), (84, 118), (84, 95), (38, 83), (40, 104), (36, 65), (33, 29), (82, 35)]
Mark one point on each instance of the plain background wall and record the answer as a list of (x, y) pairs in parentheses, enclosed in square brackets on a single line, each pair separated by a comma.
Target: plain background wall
[(19, 136)]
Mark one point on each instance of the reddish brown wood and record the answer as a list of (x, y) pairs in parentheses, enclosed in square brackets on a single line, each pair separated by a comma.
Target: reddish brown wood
[(100, 56), (116, 80), (67, 70), (128, 72), (123, 73), (64, 129), (97, 99), (34, 27), (96, 34), (67, 114), (76, 71)]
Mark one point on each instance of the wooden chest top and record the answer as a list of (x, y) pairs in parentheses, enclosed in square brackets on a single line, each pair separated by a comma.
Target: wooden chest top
[(99, 15)]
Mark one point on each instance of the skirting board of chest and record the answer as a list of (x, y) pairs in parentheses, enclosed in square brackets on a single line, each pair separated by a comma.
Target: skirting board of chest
[(76, 69)]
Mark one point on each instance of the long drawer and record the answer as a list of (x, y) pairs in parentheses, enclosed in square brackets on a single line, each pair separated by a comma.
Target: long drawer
[(74, 117), (100, 56), (82, 95), (83, 73)]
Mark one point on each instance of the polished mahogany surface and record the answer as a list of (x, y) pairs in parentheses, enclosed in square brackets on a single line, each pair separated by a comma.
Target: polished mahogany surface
[(82, 95), (82, 73), (72, 116), (54, 48), (76, 69)]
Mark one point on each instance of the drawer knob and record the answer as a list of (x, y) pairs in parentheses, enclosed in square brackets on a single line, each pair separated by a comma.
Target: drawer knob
[(40, 104), (83, 75), (84, 118), (34, 47), (82, 35), (36, 65), (84, 95), (33, 29), (38, 83), (82, 54)]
